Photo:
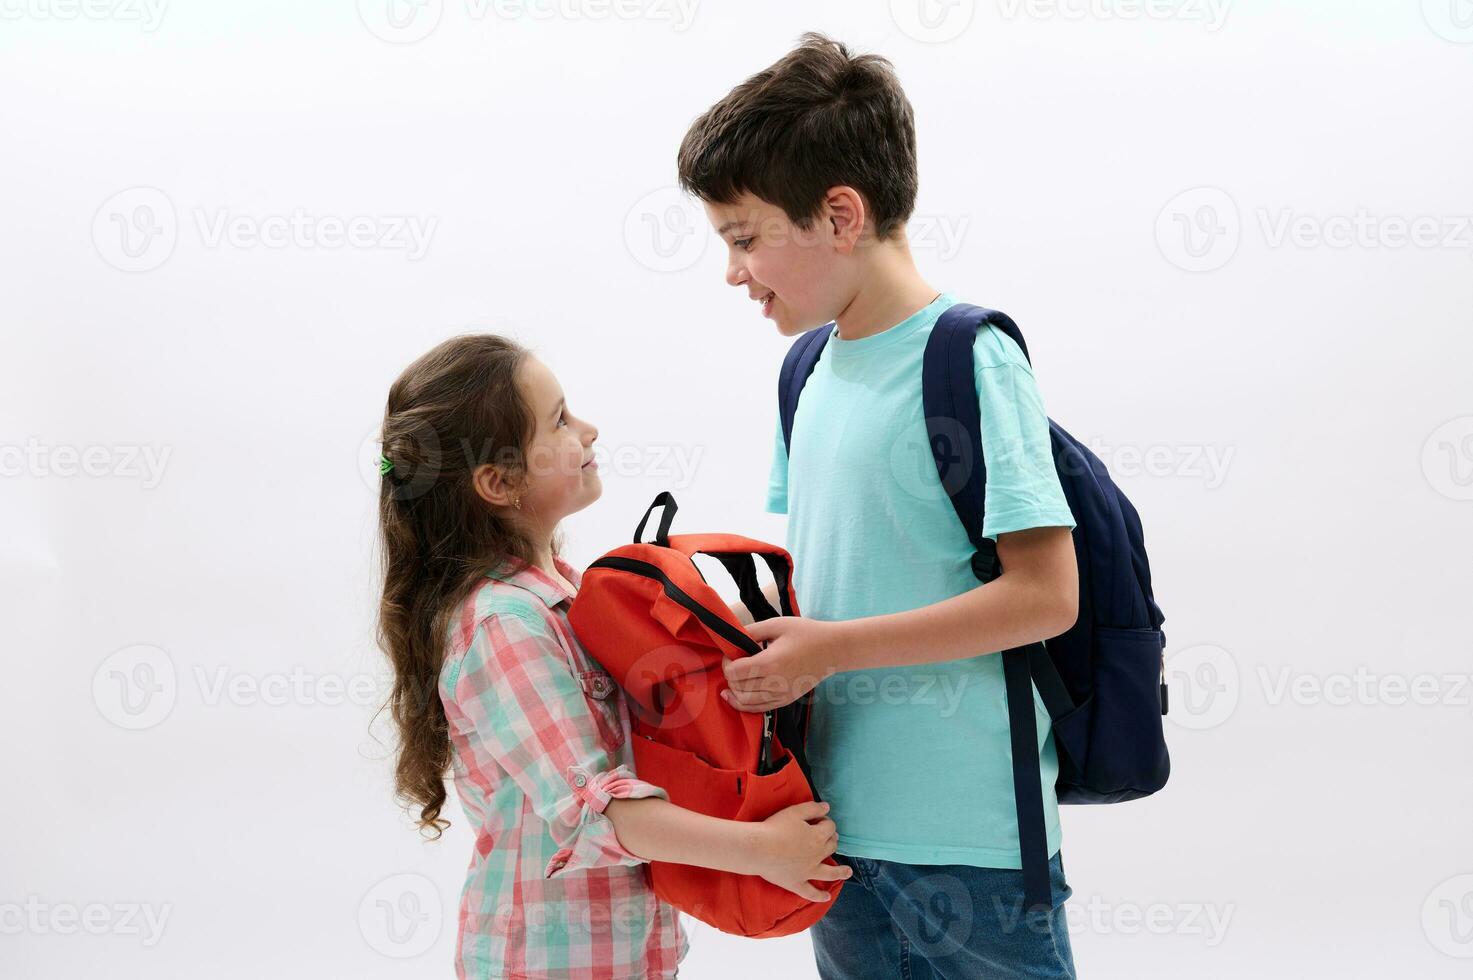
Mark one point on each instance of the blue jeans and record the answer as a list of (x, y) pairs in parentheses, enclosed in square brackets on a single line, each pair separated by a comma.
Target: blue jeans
[(941, 922)]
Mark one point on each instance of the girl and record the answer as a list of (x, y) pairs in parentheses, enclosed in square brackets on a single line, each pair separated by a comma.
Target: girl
[(481, 460)]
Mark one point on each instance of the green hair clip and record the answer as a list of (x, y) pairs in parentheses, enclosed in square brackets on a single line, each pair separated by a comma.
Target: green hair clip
[(384, 464)]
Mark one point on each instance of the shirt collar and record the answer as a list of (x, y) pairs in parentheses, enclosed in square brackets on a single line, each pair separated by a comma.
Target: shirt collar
[(538, 582), (921, 318)]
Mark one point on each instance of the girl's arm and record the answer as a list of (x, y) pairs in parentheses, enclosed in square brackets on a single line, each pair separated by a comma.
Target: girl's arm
[(786, 849), (516, 701)]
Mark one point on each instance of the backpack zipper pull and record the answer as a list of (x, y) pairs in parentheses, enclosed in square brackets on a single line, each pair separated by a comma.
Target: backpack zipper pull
[(1164, 704), (764, 756)]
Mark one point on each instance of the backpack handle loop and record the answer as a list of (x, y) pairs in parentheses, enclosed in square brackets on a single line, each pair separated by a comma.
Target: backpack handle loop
[(662, 533)]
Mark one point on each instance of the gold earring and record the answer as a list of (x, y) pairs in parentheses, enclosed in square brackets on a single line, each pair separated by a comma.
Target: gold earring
[(517, 502)]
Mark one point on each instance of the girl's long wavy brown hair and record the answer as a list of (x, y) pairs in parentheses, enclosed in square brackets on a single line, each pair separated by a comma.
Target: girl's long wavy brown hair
[(454, 409)]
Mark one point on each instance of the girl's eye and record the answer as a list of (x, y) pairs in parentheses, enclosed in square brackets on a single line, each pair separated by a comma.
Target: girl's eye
[(562, 419), (745, 244)]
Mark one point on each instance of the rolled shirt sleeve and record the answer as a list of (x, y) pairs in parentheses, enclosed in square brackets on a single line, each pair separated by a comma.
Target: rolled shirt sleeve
[(529, 714), (1023, 489)]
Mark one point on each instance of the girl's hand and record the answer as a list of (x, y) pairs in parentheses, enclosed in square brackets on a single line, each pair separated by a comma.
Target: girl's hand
[(791, 846)]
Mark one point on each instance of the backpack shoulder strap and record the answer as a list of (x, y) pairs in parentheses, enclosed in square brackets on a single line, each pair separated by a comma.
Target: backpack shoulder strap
[(953, 418), (797, 367), (954, 428)]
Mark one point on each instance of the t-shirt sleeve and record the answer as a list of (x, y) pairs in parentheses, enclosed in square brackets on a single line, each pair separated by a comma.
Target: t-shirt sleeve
[(1023, 489), (777, 482)]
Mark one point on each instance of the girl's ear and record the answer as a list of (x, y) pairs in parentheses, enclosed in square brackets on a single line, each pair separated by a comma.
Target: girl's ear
[(844, 212), (493, 487)]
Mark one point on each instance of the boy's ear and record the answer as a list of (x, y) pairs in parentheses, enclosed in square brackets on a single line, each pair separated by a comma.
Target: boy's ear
[(845, 214), (493, 487)]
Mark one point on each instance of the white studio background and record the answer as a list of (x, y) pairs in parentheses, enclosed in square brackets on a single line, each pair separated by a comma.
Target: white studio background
[(1237, 234)]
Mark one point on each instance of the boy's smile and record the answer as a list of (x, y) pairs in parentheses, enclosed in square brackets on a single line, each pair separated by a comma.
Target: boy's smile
[(794, 274)]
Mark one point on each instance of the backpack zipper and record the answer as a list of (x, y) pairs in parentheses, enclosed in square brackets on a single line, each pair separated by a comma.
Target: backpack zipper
[(718, 625), (728, 632)]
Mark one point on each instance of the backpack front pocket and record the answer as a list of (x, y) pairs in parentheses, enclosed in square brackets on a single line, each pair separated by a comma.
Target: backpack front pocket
[(745, 905)]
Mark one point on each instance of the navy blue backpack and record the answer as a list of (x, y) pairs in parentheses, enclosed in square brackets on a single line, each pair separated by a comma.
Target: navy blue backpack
[(1103, 680)]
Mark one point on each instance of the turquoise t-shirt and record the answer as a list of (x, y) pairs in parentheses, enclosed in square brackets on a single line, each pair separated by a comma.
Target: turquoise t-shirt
[(916, 762)]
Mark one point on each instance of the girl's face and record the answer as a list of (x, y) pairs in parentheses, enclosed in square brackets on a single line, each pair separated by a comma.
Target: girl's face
[(561, 477)]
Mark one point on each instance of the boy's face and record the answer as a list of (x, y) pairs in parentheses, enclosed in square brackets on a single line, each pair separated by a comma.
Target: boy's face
[(799, 277)]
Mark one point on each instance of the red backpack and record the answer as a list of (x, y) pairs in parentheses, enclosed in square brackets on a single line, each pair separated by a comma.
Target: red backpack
[(647, 615)]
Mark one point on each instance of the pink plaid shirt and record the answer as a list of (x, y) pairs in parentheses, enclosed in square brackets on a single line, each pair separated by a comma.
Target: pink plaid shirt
[(540, 739)]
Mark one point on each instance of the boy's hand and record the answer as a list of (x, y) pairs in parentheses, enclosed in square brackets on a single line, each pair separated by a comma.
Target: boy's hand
[(800, 653)]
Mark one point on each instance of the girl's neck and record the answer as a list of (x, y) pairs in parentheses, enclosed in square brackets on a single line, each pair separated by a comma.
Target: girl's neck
[(545, 561)]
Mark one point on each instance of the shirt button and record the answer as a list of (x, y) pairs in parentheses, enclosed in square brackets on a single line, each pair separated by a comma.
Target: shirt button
[(580, 780)]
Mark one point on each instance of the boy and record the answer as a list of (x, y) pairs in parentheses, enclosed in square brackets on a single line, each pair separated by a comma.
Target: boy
[(807, 171)]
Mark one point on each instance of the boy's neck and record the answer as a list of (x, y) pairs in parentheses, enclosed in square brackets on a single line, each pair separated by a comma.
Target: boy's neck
[(893, 290)]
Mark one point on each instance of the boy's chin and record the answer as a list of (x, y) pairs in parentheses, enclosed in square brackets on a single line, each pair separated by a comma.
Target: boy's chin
[(790, 328), (794, 329)]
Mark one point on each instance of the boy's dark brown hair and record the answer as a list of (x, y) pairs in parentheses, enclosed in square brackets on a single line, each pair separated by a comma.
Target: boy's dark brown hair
[(816, 119)]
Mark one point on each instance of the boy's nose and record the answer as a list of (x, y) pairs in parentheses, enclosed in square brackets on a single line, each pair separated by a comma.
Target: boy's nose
[(736, 274)]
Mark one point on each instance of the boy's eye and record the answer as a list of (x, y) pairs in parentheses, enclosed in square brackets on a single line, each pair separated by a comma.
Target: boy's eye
[(745, 244), (562, 418)]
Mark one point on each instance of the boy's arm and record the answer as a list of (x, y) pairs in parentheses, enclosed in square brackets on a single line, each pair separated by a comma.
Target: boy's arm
[(1035, 597)]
